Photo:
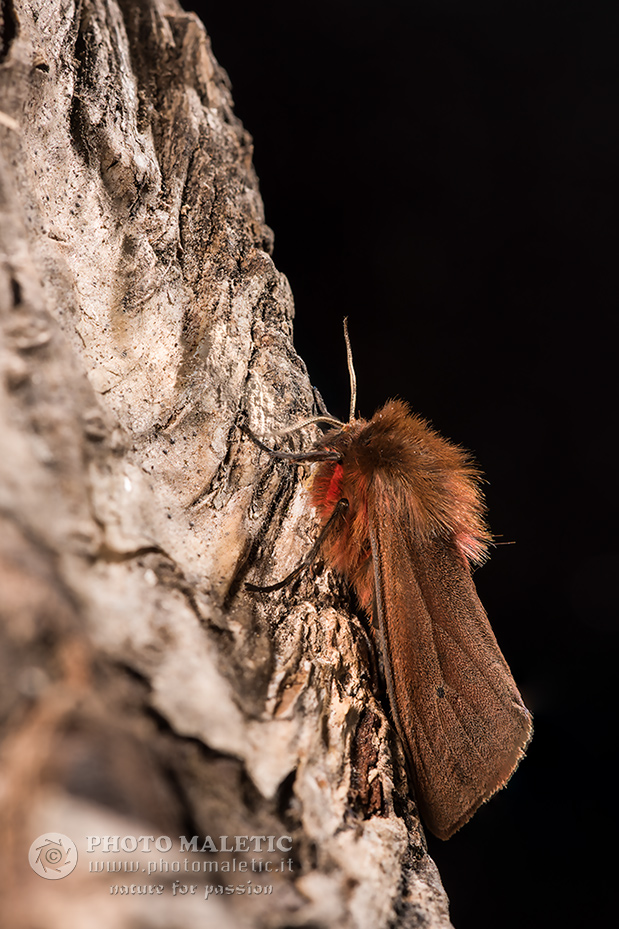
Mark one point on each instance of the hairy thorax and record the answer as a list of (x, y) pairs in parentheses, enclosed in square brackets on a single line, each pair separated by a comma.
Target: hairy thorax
[(396, 467)]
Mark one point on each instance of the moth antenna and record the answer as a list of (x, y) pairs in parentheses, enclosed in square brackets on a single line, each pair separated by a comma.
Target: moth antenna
[(351, 372), (328, 420)]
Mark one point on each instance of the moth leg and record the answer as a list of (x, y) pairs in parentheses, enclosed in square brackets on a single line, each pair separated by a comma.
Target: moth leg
[(340, 508), (318, 454)]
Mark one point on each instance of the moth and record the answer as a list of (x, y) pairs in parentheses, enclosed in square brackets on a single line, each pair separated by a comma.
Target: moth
[(403, 521)]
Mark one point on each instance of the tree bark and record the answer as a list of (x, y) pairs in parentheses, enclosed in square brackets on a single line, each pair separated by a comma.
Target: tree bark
[(144, 690)]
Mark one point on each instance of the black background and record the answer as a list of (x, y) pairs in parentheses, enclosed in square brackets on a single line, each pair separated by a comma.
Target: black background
[(444, 174)]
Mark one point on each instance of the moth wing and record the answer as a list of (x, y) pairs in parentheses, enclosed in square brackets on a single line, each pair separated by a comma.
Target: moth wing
[(455, 703)]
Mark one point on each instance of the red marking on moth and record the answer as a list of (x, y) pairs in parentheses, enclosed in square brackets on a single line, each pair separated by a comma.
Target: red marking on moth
[(333, 492)]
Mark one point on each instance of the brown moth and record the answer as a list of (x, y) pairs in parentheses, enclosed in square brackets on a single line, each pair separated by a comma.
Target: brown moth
[(403, 521)]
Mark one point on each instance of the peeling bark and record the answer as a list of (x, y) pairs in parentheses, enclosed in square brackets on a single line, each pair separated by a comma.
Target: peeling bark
[(144, 691)]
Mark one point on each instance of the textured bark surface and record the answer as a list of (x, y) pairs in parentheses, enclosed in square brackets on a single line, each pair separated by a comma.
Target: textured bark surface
[(143, 691)]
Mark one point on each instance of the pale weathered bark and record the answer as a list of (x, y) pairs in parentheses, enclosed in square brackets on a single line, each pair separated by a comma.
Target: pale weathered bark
[(143, 690)]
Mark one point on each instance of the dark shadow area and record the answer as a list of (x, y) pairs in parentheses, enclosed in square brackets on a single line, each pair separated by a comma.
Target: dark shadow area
[(446, 177)]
